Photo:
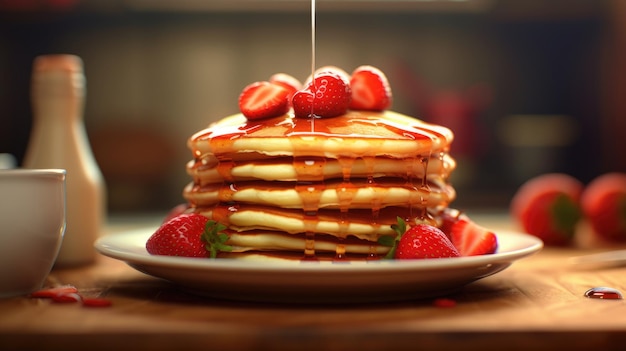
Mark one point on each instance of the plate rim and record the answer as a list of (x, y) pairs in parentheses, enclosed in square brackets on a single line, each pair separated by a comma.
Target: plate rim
[(105, 245)]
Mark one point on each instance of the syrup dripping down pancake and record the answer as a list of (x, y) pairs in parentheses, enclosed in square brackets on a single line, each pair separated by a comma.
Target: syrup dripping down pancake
[(285, 186)]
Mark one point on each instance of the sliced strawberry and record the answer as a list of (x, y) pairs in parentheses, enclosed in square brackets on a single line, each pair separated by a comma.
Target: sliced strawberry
[(604, 204), (288, 82), (55, 291), (449, 217), (547, 206), (263, 100), (67, 298), (370, 89), (328, 95), (473, 240), (96, 302)]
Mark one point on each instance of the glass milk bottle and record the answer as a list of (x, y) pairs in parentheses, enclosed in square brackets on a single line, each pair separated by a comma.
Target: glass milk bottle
[(59, 140)]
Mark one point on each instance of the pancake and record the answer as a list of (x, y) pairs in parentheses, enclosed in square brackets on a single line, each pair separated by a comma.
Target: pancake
[(205, 171), (356, 134), (319, 188)]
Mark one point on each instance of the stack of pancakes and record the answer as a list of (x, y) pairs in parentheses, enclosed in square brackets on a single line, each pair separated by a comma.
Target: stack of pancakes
[(322, 188)]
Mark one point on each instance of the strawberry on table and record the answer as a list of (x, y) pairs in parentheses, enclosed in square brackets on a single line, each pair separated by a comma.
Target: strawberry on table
[(54, 291), (604, 204), (419, 242), (264, 100), (370, 89), (472, 239), (328, 95), (189, 235), (548, 207)]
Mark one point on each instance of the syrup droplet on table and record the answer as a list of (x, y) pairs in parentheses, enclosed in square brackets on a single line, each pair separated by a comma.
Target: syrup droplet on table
[(605, 293)]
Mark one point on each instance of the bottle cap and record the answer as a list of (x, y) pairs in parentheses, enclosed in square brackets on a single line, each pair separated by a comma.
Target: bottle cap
[(58, 62)]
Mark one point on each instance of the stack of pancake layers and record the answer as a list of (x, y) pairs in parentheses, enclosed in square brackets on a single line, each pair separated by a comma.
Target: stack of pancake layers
[(322, 188)]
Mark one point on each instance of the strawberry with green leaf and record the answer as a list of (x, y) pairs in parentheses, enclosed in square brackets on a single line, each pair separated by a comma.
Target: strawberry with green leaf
[(547, 206), (418, 242), (189, 235)]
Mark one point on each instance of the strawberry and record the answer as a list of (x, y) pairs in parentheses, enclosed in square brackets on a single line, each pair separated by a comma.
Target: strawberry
[(604, 204), (188, 235), (449, 217), (471, 239), (67, 298), (370, 89), (328, 69), (96, 302), (55, 291), (328, 95), (418, 242), (288, 82), (264, 100), (547, 206)]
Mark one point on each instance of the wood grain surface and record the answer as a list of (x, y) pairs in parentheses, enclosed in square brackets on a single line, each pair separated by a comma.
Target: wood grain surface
[(537, 303)]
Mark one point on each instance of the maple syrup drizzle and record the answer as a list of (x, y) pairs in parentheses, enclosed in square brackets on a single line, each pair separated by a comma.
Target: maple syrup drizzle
[(313, 30), (309, 160), (310, 213)]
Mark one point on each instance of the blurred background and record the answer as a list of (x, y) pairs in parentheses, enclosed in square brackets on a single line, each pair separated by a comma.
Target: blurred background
[(528, 86)]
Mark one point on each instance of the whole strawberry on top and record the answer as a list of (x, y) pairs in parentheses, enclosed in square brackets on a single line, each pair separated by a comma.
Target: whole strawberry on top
[(327, 95), (604, 204), (547, 206), (328, 92), (188, 235)]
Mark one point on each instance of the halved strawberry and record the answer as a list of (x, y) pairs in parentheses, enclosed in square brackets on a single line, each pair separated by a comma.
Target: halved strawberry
[(263, 100), (449, 217), (288, 82), (472, 239), (547, 206), (604, 204), (328, 95), (370, 89)]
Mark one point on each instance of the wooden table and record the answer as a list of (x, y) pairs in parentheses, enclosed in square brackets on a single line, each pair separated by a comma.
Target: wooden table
[(537, 303)]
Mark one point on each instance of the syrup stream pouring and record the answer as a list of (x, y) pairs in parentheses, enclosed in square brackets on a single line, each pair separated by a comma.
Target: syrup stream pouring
[(601, 259)]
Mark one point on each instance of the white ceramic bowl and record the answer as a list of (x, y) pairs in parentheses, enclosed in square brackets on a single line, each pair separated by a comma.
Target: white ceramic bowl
[(32, 225)]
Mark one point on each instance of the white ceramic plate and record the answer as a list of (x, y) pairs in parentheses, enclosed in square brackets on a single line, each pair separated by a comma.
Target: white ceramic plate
[(325, 282)]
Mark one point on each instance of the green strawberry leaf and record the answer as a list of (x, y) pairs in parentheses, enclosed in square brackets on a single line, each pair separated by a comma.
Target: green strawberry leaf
[(566, 214), (400, 229), (215, 238)]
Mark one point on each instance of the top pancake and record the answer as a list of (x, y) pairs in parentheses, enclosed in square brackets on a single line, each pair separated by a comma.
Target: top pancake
[(356, 134)]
